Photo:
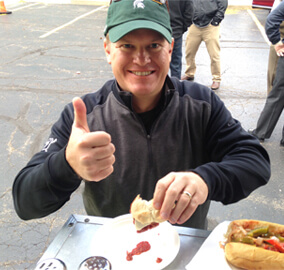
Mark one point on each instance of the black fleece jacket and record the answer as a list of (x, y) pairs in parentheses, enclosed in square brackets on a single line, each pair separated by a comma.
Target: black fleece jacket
[(193, 132)]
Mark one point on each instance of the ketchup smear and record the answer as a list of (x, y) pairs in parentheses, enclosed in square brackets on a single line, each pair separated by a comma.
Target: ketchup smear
[(140, 248), (159, 260)]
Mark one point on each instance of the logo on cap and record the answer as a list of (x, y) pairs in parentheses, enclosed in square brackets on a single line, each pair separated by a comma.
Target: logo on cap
[(138, 4)]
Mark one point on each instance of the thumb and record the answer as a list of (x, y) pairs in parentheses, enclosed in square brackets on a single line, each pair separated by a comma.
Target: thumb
[(80, 114)]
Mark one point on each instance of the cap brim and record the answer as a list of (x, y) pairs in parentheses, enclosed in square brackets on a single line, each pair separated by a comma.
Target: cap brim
[(117, 32)]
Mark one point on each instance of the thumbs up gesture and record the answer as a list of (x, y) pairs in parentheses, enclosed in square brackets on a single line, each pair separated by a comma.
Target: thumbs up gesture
[(90, 154)]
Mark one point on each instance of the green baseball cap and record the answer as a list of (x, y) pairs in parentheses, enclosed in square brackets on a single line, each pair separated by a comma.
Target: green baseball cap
[(125, 16)]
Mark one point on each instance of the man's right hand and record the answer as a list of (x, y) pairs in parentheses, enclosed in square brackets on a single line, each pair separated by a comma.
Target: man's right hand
[(279, 48), (90, 154)]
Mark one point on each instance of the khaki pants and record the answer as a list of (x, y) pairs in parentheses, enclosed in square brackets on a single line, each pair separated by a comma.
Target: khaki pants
[(210, 35)]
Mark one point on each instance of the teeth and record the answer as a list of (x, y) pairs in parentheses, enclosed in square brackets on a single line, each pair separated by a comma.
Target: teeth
[(142, 73)]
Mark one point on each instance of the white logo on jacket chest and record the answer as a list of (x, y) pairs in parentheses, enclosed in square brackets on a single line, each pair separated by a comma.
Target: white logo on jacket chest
[(48, 144)]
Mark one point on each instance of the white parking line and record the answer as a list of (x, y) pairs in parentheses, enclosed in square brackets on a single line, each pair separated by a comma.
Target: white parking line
[(259, 26), (31, 5), (71, 22)]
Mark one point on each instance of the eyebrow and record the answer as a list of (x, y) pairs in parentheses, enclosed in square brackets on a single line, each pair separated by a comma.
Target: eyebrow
[(125, 40)]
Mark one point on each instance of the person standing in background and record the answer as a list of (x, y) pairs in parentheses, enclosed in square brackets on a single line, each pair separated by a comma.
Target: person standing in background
[(181, 19), (207, 16), (275, 100), (273, 57)]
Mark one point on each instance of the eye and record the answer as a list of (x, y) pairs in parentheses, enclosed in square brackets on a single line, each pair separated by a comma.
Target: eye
[(155, 45), (126, 46)]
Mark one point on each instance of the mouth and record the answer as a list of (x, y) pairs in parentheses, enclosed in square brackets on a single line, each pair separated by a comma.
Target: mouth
[(142, 73)]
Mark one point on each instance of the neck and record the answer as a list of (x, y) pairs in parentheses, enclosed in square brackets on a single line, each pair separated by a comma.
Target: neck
[(145, 104)]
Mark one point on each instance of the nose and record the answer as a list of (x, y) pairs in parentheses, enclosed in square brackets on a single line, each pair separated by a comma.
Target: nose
[(142, 57)]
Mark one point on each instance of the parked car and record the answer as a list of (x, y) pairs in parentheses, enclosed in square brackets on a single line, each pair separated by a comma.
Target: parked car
[(267, 4)]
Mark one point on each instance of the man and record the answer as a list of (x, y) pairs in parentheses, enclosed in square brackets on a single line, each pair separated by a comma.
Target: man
[(143, 133), (275, 100), (207, 17), (181, 19), (273, 57)]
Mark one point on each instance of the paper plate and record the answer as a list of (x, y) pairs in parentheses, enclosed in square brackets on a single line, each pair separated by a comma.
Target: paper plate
[(119, 236), (211, 250)]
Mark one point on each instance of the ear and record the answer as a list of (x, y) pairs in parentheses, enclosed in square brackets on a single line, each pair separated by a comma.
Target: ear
[(107, 50), (172, 45), (171, 48)]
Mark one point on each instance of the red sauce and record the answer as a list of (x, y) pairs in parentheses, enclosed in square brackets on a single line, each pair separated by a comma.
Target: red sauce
[(140, 248), (148, 227), (159, 260), (268, 247)]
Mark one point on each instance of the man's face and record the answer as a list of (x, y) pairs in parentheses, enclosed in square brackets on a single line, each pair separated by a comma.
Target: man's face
[(140, 62)]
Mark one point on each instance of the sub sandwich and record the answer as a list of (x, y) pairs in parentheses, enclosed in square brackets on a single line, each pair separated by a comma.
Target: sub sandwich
[(254, 244)]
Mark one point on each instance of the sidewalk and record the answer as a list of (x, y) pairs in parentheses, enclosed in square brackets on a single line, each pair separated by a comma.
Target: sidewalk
[(106, 2)]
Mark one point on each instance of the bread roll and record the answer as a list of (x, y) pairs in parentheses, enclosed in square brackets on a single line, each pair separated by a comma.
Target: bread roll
[(144, 213), (253, 258)]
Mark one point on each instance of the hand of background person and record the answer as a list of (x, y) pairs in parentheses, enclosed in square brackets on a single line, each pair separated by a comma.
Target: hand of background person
[(90, 154), (279, 48), (215, 21), (170, 190)]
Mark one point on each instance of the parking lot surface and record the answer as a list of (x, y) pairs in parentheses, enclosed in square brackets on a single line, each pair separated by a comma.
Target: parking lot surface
[(50, 53)]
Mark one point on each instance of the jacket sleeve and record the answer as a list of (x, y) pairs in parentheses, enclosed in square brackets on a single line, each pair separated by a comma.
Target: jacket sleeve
[(46, 183), (220, 14), (187, 13), (238, 163), (272, 25)]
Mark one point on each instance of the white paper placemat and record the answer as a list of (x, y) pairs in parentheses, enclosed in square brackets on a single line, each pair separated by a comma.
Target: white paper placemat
[(211, 255)]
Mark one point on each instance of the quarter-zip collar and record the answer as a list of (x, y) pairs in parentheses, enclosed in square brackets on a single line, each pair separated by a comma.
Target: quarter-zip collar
[(126, 97)]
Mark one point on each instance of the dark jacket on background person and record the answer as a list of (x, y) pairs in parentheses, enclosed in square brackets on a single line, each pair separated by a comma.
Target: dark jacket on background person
[(272, 26), (191, 131), (181, 12), (209, 11)]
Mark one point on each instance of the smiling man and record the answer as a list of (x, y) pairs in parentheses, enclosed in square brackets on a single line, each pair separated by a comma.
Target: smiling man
[(140, 63), (143, 133)]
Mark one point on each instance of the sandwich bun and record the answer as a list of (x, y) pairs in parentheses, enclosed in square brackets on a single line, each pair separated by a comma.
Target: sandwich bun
[(253, 258), (144, 213)]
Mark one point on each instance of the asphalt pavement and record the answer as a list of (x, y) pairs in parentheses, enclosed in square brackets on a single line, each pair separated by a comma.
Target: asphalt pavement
[(50, 53)]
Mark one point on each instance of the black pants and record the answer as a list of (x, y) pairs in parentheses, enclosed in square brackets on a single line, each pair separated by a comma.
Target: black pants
[(274, 105)]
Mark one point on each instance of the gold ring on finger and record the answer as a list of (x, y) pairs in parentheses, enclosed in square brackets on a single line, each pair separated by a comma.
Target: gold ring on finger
[(188, 194)]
